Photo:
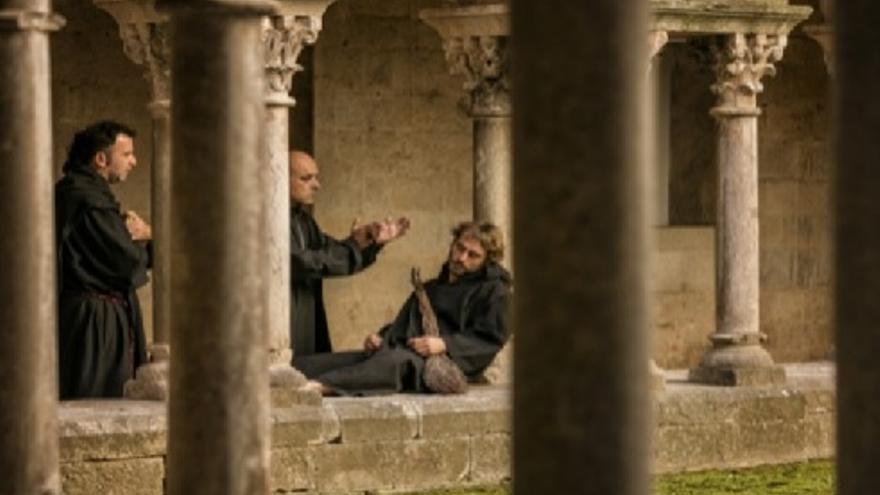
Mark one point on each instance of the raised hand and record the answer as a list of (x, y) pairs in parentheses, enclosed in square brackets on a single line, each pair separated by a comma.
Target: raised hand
[(391, 229), (363, 234)]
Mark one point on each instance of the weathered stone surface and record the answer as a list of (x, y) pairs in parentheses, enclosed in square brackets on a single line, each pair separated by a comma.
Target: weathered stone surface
[(478, 414), (696, 426), (122, 477), (490, 459), (101, 430), (371, 466), (369, 421), (304, 425), (703, 427), (290, 470)]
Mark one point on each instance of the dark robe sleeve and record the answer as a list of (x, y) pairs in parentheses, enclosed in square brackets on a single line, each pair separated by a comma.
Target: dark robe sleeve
[(333, 258), (103, 245), (484, 333)]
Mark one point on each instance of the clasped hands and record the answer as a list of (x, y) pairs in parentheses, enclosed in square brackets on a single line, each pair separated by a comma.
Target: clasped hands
[(379, 233), (423, 346), (137, 227)]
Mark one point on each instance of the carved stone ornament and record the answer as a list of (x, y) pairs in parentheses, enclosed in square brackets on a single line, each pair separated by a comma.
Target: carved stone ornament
[(656, 41), (148, 44), (283, 40), (483, 61), (741, 61)]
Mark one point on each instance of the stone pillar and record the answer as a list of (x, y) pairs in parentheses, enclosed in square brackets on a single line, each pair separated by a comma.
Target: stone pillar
[(581, 229), (656, 41), (737, 356), (28, 305), (145, 40), (857, 244), (483, 62), (284, 37), (218, 409), (658, 127)]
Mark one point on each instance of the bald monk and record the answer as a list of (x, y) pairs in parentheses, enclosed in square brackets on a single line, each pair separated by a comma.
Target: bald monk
[(315, 255)]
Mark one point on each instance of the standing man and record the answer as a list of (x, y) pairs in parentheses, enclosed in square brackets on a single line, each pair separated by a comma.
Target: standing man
[(103, 255), (315, 255), (470, 298)]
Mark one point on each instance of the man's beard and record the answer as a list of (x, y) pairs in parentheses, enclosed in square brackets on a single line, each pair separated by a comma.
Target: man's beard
[(456, 268)]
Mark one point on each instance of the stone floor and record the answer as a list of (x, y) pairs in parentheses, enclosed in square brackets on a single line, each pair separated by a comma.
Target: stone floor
[(410, 442)]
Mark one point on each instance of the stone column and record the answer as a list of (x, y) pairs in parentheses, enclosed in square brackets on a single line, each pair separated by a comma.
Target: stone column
[(284, 37), (28, 305), (145, 40), (737, 356), (656, 41), (857, 244), (483, 62), (581, 229), (218, 409)]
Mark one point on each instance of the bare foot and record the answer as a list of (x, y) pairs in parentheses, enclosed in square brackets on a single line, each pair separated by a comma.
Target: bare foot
[(316, 386)]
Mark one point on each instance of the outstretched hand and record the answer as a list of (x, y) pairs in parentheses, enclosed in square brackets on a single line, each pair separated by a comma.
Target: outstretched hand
[(390, 229)]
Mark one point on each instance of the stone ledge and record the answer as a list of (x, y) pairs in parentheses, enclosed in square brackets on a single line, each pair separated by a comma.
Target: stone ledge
[(402, 443)]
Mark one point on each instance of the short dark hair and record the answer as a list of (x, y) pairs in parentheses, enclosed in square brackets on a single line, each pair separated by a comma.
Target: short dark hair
[(94, 138), (489, 235)]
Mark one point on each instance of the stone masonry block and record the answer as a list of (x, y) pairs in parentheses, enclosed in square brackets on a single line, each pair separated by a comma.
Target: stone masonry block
[(406, 466), (303, 425), (289, 470), (122, 477), (112, 446), (448, 416), (676, 239), (362, 421), (490, 459), (105, 430)]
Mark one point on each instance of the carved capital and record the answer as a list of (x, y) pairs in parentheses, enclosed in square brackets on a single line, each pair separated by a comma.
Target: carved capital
[(284, 38), (148, 44), (741, 61), (483, 61), (656, 41)]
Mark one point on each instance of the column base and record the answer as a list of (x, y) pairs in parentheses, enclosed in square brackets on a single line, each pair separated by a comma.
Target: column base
[(737, 360), (286, 388), (150, 382), (657, 379)]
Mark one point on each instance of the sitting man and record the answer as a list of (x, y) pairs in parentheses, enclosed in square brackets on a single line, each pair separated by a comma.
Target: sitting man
[(470, 300)]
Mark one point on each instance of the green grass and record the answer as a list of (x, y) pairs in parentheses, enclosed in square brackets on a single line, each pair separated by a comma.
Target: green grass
[(811, 478)]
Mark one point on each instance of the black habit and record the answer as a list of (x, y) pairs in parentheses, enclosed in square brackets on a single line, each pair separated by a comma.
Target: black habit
[(472, 314), (315, 255), (101, 336)]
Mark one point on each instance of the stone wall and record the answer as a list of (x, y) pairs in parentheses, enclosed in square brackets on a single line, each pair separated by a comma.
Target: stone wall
[(684, 294), (390, 140)]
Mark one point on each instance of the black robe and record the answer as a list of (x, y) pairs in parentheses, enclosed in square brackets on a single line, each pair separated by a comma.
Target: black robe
[(315, 255), (100, 335), (472, 314)]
